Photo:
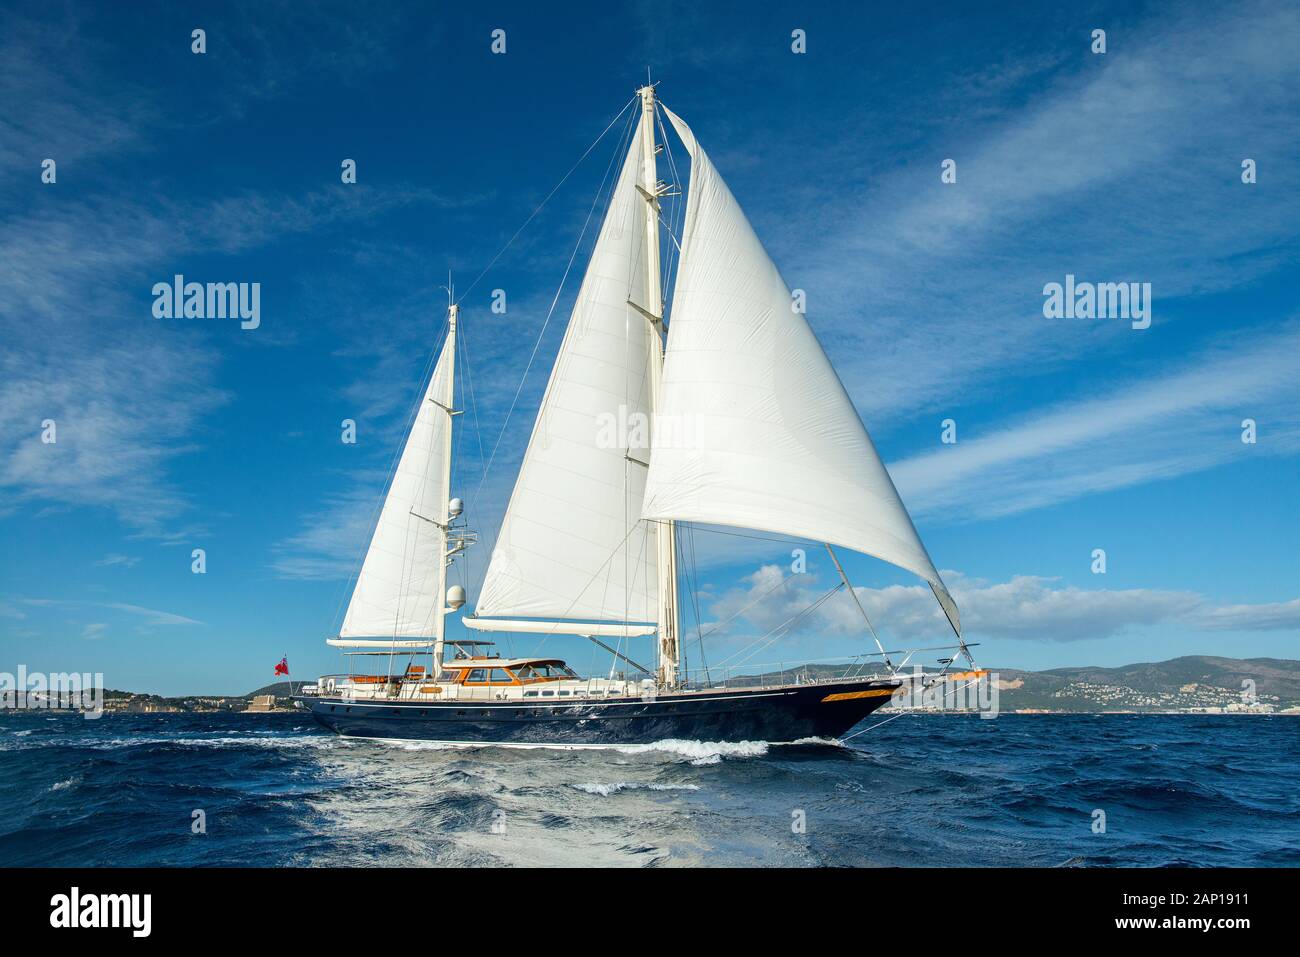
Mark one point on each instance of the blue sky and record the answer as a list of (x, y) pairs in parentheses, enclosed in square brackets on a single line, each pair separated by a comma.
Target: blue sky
[(1073, 435)]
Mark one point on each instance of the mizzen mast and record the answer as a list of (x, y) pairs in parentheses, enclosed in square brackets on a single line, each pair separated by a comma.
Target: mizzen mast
[(653, 309), (445, 515)]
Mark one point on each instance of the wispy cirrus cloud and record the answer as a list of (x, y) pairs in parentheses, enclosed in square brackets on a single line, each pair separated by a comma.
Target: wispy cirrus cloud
[(1186, 420), (1126, 167), (115, 559), (127, 401), (78, 258), (332, 540), (79, 116), (139, 613)]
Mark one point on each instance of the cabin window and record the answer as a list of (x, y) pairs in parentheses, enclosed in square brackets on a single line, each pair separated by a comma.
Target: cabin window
[(548, 694), (489, 676), (530, 694)]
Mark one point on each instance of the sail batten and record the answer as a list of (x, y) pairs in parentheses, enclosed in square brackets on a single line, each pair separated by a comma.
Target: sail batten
[(571, 544), (764, 434)]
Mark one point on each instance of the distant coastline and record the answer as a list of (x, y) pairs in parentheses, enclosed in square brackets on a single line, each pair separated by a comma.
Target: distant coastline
[(1194, 684)]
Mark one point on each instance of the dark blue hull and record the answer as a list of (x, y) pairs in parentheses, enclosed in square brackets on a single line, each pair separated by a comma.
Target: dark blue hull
[(770, 714)]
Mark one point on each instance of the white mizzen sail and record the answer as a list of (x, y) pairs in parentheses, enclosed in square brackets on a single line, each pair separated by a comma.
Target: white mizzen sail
[(572, 544), (397, 593), (769, 439)]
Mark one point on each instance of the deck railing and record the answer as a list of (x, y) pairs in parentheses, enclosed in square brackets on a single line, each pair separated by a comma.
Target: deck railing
[(747, 675)]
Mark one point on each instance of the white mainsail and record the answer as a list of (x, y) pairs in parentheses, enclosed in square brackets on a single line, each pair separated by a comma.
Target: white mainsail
[(398, 593), (763, 434), (572, 544)]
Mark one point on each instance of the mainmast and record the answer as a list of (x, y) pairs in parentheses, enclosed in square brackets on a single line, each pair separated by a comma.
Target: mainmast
[(665, 534), (447, 403)]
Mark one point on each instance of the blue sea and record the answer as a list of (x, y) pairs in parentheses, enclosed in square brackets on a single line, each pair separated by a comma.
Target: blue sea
[(931, 790)]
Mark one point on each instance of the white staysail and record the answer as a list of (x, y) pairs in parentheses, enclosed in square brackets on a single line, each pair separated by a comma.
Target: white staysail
[(398, 592), (572, 544), (768, 437)]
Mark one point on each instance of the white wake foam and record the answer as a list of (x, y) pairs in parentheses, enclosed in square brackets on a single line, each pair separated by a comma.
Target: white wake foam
[(700, 752), (605, 790)]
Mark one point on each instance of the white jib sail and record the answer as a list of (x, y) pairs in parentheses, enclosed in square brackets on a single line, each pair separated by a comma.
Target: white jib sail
[(572, 543), (764, 435), (396, 594)]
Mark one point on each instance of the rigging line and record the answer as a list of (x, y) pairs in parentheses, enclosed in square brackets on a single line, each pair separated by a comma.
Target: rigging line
[(699, 624), (542, 333), (847, 584), (779, 630), (467, 568), (908, 711), (728, 620), (537, 344), (786, 628), (892, 717), (674, 253), (587, 584), (679, 549), (547, 199), (692, 581)]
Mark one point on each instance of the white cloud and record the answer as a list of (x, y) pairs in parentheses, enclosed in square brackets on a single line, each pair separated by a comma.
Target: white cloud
[(1274, 616), (1026, 608)]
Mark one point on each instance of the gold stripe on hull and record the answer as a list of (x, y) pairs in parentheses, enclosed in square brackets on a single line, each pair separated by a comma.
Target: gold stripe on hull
[(851, 695)]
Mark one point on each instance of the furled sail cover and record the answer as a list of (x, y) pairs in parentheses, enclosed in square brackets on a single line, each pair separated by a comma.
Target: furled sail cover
[(396, 594), (572, 543), (768, 437)]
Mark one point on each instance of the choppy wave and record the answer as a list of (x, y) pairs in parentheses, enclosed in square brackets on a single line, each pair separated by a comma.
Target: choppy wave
[(939, 790)]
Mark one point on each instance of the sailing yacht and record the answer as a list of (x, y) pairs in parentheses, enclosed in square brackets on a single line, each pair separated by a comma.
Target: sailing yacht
[(749, 427)]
